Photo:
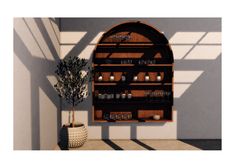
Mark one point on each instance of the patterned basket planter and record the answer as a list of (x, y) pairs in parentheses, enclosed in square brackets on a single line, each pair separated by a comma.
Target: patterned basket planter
[(74, 137), (77, 135)]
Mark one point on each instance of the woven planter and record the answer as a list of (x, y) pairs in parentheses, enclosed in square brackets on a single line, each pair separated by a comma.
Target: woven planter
[(73, 137), (77, 135)]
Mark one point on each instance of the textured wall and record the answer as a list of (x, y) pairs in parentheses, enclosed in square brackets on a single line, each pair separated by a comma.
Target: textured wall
[(196, 44), (37, 113)]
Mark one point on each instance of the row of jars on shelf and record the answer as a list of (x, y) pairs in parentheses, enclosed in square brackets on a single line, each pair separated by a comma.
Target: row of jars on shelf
[(120, 115), (129, 95), (146, 77), (124, 95), (140, 62)]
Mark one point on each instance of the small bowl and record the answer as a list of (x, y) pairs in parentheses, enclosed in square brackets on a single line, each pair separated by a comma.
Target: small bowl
[(135, 78), (146, 78), (123, 78), (123, 96), (156, 117), (99, 96), (117, 96), (159, 78), (100, 78), (111, 78)]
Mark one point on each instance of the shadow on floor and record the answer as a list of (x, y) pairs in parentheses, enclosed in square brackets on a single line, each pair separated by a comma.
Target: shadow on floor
[(143, 144), (112, 144), (204, 144)]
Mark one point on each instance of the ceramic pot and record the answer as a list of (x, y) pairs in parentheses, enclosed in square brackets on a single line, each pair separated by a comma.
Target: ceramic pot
[(156, 117), (118, 96), (100, 78), (146, 78), (159, 78), (111, 78), (123, 95), (75, 136), (123, 78), (135, 78)]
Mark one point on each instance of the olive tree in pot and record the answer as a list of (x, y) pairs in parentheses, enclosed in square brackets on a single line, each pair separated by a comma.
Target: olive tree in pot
[(71, 86)]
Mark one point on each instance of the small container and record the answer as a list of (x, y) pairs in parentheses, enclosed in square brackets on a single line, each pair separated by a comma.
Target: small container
[(125, 116), (146, 78), (118, 116), (112, 116), (109, 96), (112, 96), (135, 78), (159, 77), (117, 96), (156, 117), (129, 95), (100, 78), (123, 78), (129, 116), (123, 95), (98, 114), (99, 96), (102, 96), (111, 78)]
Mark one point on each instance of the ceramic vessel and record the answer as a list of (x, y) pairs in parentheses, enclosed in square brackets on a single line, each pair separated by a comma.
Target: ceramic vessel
[(111, 78), (100, 78), (75, 136), (146, 78), (123, 95), (135, 78), (156, 117), (159, 78)]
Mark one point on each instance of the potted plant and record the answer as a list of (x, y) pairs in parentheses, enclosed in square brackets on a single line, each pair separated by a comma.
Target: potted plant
[(71, 86)]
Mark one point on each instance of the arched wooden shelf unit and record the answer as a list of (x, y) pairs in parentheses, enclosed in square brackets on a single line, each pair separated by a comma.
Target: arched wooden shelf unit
[(133, 75)]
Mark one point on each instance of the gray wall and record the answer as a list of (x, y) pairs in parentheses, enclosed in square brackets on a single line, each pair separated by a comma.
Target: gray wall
[(36, 105), (197, 56), (37, 108)]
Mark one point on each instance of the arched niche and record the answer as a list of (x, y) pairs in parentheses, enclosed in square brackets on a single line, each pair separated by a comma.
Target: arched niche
[(133, 49)]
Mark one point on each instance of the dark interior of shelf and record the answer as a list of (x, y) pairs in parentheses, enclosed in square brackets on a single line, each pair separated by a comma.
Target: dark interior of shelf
[(133, 50)]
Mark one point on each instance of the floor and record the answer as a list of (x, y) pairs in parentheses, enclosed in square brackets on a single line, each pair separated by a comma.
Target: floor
[(134, 144)]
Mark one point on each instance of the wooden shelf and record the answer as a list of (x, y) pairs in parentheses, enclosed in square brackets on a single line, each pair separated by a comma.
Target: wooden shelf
[(130, 44), (118, 83), (134, 120), (132, 102), (133, 51), (128, 65)]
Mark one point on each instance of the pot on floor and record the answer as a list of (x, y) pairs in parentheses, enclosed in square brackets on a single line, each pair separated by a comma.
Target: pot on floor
[(72, 137)]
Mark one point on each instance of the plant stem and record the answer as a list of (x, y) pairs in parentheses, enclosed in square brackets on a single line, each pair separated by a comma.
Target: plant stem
[(73, 117)]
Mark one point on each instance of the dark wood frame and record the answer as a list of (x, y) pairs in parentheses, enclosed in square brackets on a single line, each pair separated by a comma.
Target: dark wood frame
[(145, 44)]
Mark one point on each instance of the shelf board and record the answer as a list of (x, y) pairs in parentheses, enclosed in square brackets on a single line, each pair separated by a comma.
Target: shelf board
[(117, 65), (133, 120), (141, 83), (147, 84), (132, 102), (131, 44)]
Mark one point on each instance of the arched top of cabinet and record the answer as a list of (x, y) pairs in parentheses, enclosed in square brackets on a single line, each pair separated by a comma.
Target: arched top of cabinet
[(133, 33)]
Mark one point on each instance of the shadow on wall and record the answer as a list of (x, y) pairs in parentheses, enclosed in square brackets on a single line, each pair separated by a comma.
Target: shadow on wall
[(37, 110), (36, 49), (197, 50)]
